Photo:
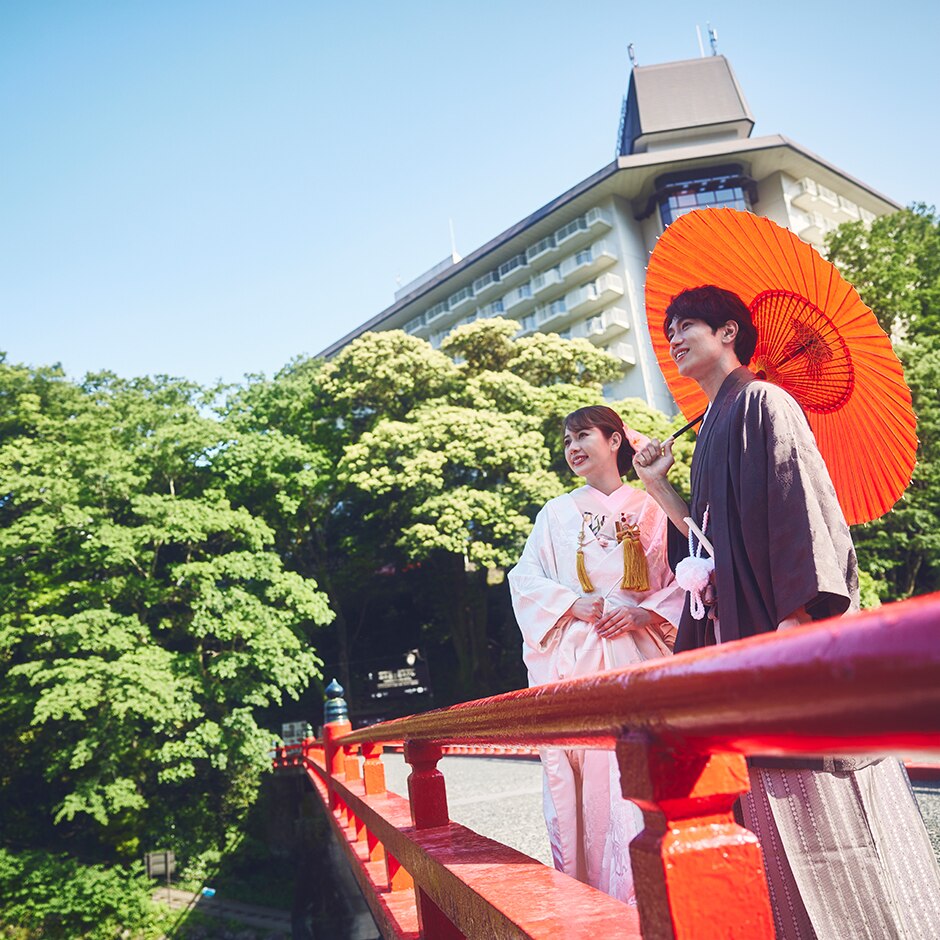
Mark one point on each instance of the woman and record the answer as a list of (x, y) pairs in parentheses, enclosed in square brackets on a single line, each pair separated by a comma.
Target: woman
[(592, 591)]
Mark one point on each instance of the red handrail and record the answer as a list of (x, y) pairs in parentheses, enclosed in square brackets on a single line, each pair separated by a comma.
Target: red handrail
[(861, 684), (865, 684)]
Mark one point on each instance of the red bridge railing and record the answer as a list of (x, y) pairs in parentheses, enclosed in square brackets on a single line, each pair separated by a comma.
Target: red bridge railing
[(863, 685)]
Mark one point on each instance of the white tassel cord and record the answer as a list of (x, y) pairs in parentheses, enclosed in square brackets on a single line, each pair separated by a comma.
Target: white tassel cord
[(693, 573)]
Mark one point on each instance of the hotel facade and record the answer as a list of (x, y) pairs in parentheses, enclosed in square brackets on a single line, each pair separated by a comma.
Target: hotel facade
[(577, 265)]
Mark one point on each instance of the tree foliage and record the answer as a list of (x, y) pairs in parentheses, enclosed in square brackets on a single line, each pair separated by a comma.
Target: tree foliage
[(144, 618), (895, 264), (455, 480), (55, 897)]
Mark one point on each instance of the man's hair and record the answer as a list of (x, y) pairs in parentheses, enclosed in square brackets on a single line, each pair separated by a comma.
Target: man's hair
[(716, 306)]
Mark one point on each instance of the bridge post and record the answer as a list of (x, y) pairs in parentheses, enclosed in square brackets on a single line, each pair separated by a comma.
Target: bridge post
[(428, 797), (335, 725), (692, 863)]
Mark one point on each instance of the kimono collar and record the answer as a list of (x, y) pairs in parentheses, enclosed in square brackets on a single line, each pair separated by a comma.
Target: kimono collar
[(734, 381), (613, 501)]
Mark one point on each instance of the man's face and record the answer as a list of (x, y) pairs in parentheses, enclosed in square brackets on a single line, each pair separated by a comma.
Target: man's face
[(694, 346)]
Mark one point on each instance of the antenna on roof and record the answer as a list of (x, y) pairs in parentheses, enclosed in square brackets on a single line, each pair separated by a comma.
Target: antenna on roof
[(453, 243), (713, 38), (701, 48), (632, 53)]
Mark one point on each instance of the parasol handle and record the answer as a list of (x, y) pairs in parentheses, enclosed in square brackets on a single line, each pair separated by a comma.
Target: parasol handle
[(672, 437)]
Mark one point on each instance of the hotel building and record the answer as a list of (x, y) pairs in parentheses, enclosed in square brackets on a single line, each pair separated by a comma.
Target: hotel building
[(577, 265)]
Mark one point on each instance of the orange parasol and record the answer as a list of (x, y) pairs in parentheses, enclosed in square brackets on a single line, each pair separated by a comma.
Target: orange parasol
[(816, 339)]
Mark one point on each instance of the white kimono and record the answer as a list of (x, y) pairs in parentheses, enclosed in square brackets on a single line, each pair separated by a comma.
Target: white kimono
[(589, 823)]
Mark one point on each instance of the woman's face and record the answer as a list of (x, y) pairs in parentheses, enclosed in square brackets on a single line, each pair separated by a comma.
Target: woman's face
[(589, 452)]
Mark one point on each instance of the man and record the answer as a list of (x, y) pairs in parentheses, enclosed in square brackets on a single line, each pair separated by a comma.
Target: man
[(845, 850)]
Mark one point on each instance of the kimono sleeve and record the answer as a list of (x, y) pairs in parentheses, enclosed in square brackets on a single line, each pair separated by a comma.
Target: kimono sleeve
[(793, 517), (666, 598), (539, 599)]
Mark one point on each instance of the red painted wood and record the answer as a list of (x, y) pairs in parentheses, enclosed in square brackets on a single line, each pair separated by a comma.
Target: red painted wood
[(868, 683), (698, 873), (373, 770), (427, 795), (487, 889), (351, 761), (333, 751), (397, 878), (335, 755), (376, 849), (394, 912), (426, 788), (919, 771)]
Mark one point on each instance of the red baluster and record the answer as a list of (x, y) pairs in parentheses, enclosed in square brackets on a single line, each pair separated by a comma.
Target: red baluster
[(360, 828), (373, 778), (373, 770), (398, 878), (426, 789), (351, 762), (698, 873), (428, 797)]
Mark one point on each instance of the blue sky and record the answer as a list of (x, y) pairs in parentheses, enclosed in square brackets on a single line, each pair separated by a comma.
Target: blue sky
[(208, 189)]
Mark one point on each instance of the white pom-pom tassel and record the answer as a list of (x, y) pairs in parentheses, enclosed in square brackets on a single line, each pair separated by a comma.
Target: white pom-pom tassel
[(692, 575)]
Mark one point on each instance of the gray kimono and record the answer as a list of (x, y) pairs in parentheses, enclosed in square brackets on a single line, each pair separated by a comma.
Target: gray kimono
[(845, 851), (781, 541)]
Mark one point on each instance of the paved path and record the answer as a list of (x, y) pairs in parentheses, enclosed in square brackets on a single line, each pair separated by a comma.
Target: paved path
[(251, 915), (502, 798)]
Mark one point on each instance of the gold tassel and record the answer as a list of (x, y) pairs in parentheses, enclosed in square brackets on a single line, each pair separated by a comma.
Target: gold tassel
[(586, 585), (636, 576)]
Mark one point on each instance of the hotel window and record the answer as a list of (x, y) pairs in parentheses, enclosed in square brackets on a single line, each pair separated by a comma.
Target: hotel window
[(706, 188)]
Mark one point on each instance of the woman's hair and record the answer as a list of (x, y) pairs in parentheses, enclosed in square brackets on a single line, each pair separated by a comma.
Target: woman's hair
[(607, 421), (716, 306)]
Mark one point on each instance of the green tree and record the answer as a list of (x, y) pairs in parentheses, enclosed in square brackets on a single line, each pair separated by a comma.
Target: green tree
[(895, 264), (902, 549), (55, 897), (406, 478), (144, 619), (457, 478)]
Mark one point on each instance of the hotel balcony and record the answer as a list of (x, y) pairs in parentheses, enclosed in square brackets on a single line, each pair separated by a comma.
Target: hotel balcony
[(545, 280), (549, 315), (623, 351), (542, 247), (811, 226), (493, 309), (511, 270), (487, 283), (593, 258), (460, 299), (848, 209), (519, 295), (416, 326), (809, 195), (604, 290), (604, 326)]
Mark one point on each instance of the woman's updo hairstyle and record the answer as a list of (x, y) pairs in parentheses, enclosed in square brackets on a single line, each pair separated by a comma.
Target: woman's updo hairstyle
[(607, 421)]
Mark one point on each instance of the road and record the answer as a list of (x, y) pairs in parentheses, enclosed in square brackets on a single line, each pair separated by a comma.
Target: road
[(502, 798)]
